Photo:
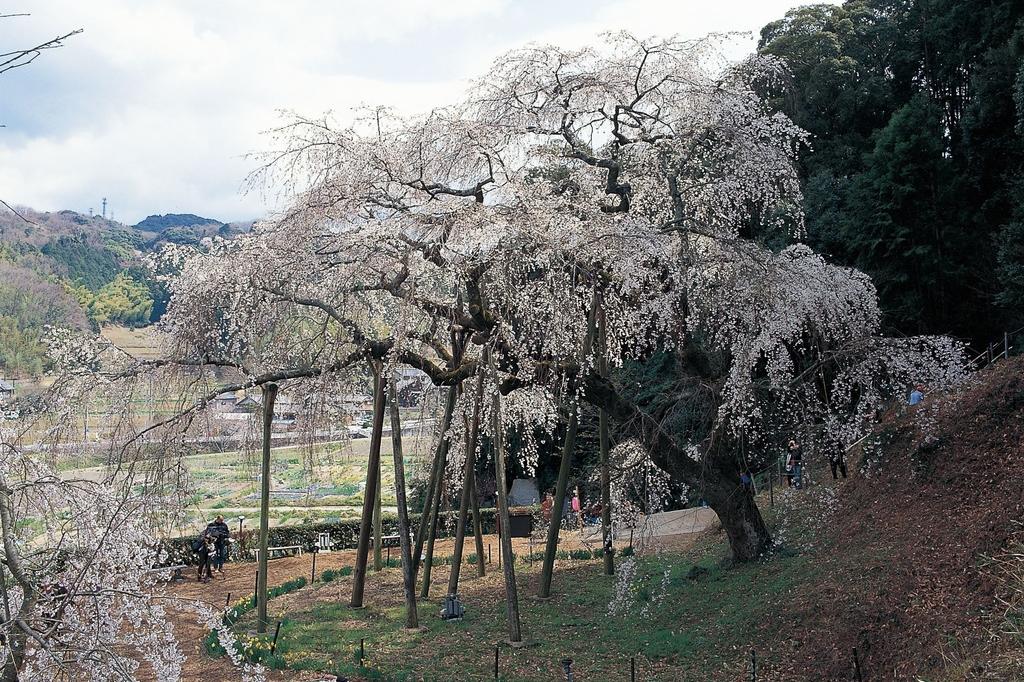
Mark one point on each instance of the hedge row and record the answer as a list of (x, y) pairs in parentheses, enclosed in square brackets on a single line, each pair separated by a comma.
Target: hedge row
[(344, 535)]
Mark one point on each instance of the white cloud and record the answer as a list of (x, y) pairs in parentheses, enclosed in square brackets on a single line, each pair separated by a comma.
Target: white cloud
[(155, 105)]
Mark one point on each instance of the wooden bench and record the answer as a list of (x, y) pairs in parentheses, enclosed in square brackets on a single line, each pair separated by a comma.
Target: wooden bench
[(392, 540), (175, 571), (288, 550)]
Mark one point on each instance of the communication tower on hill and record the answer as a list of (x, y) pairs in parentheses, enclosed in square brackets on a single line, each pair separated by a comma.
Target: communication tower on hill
[(104, 207)]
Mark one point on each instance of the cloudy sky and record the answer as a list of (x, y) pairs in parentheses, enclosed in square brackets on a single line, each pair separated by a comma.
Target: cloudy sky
[(156, 104)]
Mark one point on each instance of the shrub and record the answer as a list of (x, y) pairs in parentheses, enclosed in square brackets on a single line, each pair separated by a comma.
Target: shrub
[(626, 552), (344, 535)]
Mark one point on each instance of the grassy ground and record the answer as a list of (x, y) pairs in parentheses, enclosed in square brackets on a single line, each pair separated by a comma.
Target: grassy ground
[(686, 615)]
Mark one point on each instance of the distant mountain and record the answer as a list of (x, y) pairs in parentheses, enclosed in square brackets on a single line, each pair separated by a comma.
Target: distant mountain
[(65, 268), (159, 223)]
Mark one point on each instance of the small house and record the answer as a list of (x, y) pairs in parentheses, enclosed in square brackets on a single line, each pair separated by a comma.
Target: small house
[(224, 401)]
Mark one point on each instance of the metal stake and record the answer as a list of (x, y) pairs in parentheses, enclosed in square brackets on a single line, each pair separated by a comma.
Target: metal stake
[(632, 669), (567, 667), (495, 656), (273, 645)]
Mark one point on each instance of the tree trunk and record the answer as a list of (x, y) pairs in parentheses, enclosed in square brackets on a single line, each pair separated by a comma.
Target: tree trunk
[(269, 396), (408, 570), (551, 547), (508, 565), (436, 472), (370, 491), (716, 476), (468, 471), (749, 537)]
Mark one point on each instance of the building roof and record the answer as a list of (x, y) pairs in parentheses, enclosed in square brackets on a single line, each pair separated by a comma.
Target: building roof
[(6, 385)]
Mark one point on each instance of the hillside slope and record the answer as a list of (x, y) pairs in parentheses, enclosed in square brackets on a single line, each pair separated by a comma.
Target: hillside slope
[(904, 570)]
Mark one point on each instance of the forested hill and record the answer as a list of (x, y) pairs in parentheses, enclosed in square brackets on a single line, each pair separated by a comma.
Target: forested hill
[(916, 111), (68, 269)]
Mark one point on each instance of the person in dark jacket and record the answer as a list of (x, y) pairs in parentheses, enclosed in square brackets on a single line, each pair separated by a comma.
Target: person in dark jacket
[(205, 549), (218, 530)]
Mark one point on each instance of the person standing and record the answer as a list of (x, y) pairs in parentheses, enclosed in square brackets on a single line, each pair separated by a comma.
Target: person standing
[(794, 465), (837, 461), (577, 507), (916, 395), (219, 531), (204, 548), (546, 506)]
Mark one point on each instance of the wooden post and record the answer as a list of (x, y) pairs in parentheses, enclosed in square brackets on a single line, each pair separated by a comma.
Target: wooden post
[(856, 666), (468, 471), (369, 492), (435, 506), (511, 592), (495, 661), (436, 472), (569, 446), (312, 573), (377, 534), (771, 485), (269, 396), (405, 546), (753, 666), (1006, 346), (478, 530), (605, 446)]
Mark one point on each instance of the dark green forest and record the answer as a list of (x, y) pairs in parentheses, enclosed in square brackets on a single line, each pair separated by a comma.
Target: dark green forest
[(914, 175)]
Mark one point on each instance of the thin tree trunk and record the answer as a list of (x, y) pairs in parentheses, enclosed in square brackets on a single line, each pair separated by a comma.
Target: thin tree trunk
[(435, 475), (606, 486), (481, 568), (408, 571), (269, 396), (508, 565), (378, 559), (370, 491), (551, 547), (468, 472)]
